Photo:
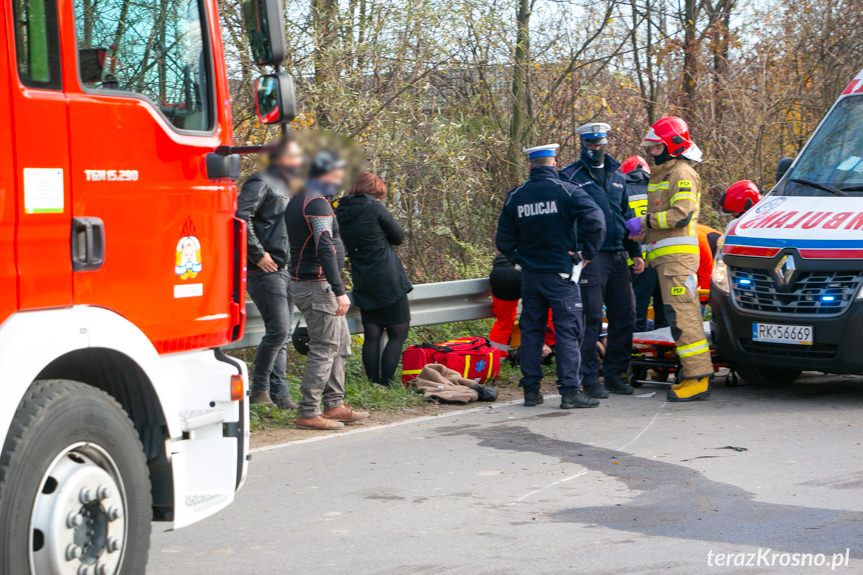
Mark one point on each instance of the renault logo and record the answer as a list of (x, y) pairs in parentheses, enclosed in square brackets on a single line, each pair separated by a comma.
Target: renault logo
[(785, 270)]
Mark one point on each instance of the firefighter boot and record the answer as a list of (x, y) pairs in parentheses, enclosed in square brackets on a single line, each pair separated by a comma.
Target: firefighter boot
[(690, 389)]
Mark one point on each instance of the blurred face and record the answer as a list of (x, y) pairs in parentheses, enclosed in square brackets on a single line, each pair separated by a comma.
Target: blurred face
[(656, 150), (333, 177), (291, 158)]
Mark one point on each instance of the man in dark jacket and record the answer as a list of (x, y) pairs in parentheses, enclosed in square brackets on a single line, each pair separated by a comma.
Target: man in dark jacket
[(318, 290), (544, 226), (607, 279), (262, 203)]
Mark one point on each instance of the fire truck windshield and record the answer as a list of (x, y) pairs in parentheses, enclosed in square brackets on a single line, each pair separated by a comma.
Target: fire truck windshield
[(832, 163), (157, 49)]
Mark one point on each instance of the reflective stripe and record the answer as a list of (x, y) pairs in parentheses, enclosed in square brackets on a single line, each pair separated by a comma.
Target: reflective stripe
[(662, 220), (675, 241), (659, 186), (637, 198), (693, 349), (653, 254), (684, 196), (410, 371), (466, 367), (490, 365)]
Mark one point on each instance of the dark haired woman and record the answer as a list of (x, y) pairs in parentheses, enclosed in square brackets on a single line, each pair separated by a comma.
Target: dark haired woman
[(380, 284)]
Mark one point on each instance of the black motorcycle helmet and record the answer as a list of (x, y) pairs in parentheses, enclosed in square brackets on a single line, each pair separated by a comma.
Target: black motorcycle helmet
[(300, 339)]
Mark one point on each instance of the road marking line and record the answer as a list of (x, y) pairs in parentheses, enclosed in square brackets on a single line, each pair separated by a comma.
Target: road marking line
[(394, 424), (586, 471)]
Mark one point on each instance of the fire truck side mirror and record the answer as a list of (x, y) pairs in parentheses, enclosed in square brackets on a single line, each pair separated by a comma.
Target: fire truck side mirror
[(265, 28), (275, 101)]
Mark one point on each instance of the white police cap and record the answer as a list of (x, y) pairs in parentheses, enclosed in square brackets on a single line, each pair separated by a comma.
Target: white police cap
[(594, 131), (541, 151)]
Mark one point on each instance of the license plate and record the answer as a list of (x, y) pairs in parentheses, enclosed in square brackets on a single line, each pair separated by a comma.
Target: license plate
[(790, 334)]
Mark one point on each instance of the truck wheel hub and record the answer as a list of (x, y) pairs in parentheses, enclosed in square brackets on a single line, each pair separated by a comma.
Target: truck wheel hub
[(78, 524)]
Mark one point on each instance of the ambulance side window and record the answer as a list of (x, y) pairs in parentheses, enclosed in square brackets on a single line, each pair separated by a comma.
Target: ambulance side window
[(158, 49), (37, 44)]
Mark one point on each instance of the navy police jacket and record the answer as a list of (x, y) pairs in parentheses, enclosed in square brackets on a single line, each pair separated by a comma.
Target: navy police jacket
[(544, 219), (613, 200)]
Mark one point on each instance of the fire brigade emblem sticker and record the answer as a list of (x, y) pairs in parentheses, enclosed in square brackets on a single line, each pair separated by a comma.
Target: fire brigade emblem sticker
[(188, 258)]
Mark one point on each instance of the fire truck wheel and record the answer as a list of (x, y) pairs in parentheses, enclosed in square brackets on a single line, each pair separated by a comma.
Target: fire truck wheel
[(73, 470), (764, 375)]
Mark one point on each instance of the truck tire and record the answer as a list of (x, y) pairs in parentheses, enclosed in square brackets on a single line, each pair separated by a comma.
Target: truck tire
[(74, 486), (767, 375)]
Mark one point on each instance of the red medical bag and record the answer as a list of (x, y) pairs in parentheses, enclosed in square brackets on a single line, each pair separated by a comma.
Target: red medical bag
[(473, 358)]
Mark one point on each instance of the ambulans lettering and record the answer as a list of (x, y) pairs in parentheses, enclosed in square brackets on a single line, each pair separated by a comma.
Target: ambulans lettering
[(111, 175), (537, 209), (806, 221)]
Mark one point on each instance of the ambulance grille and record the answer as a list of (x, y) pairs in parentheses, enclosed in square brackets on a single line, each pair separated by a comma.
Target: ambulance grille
[(812, 293)]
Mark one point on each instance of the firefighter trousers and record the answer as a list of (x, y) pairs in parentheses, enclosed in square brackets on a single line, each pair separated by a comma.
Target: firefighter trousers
[(679, 288)]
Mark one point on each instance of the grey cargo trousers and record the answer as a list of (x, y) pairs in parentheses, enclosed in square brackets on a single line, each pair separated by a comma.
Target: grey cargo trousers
[(329, 347)]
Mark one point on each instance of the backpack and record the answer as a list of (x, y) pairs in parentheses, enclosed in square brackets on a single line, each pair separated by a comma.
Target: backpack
[(473, 358)]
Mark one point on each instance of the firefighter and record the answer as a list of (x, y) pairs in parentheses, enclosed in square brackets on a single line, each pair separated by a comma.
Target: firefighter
[(645, 285), (547, 226), (607, 280), (669, 230), (739, 197)]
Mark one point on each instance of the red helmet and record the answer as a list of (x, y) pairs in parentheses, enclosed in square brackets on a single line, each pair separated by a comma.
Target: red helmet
[(634, 163), (740, 196), (671, 131)]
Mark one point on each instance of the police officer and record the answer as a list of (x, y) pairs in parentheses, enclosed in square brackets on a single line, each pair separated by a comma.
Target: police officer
[(645, 285), (547, 227), (607, 279), (669, 229)]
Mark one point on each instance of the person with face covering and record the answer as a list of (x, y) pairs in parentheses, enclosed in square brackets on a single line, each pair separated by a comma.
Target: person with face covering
[(262, 203), (317, 259), (607, 280)]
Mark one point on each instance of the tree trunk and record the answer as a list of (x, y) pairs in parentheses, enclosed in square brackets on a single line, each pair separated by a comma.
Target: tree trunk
[(325, 21), (520, 106), (690, 57)]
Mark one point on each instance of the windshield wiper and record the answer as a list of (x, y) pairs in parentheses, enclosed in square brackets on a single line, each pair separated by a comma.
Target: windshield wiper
[(818, 185), (855, 188)]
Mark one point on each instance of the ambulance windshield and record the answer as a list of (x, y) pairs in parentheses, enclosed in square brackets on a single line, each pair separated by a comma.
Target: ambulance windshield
[(832, 163)]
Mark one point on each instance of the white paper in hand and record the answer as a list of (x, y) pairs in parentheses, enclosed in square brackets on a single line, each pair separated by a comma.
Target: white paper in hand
[(576, 272)]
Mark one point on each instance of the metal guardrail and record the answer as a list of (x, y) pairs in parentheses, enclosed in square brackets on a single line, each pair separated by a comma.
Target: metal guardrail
[(442, 302)]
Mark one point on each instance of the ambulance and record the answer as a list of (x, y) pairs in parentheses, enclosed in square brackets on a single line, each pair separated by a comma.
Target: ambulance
[(787, 286), (122, 274)]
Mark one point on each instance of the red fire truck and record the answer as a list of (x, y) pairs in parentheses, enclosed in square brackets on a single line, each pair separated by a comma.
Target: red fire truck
[(122, 272)]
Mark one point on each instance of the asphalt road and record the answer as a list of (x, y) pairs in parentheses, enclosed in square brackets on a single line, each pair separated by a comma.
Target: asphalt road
[(636, 486)]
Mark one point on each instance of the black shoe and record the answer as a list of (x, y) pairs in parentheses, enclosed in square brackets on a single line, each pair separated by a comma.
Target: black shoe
[(532, 397), (577, 398), (618, 386), (596, 390)]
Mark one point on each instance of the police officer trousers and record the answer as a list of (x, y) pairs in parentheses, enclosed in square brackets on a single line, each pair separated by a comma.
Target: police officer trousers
[(679, 288), (541, 292), (606, 280)]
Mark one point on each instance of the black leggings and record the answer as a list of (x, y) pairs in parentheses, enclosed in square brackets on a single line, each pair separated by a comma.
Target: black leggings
[(381, 367)]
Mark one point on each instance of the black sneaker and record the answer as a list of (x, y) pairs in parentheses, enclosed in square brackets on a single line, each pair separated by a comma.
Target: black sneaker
[(577, 398), (596, 390), (532, 397), (618, 386)]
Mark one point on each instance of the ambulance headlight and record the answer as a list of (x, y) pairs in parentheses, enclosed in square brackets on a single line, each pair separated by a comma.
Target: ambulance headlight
[(720, 270)]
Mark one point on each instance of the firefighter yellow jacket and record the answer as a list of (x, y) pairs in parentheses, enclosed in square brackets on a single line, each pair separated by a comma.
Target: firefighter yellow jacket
[(673, 197)]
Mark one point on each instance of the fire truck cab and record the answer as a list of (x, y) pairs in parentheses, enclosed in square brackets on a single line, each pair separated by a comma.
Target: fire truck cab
[(122, 272), (787, 292)]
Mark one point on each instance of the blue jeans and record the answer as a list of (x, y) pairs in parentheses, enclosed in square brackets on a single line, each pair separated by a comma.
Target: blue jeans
[(271, 292), (541, 292)]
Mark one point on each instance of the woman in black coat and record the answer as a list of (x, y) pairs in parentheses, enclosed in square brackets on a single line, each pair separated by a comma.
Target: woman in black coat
[(380, 284)]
